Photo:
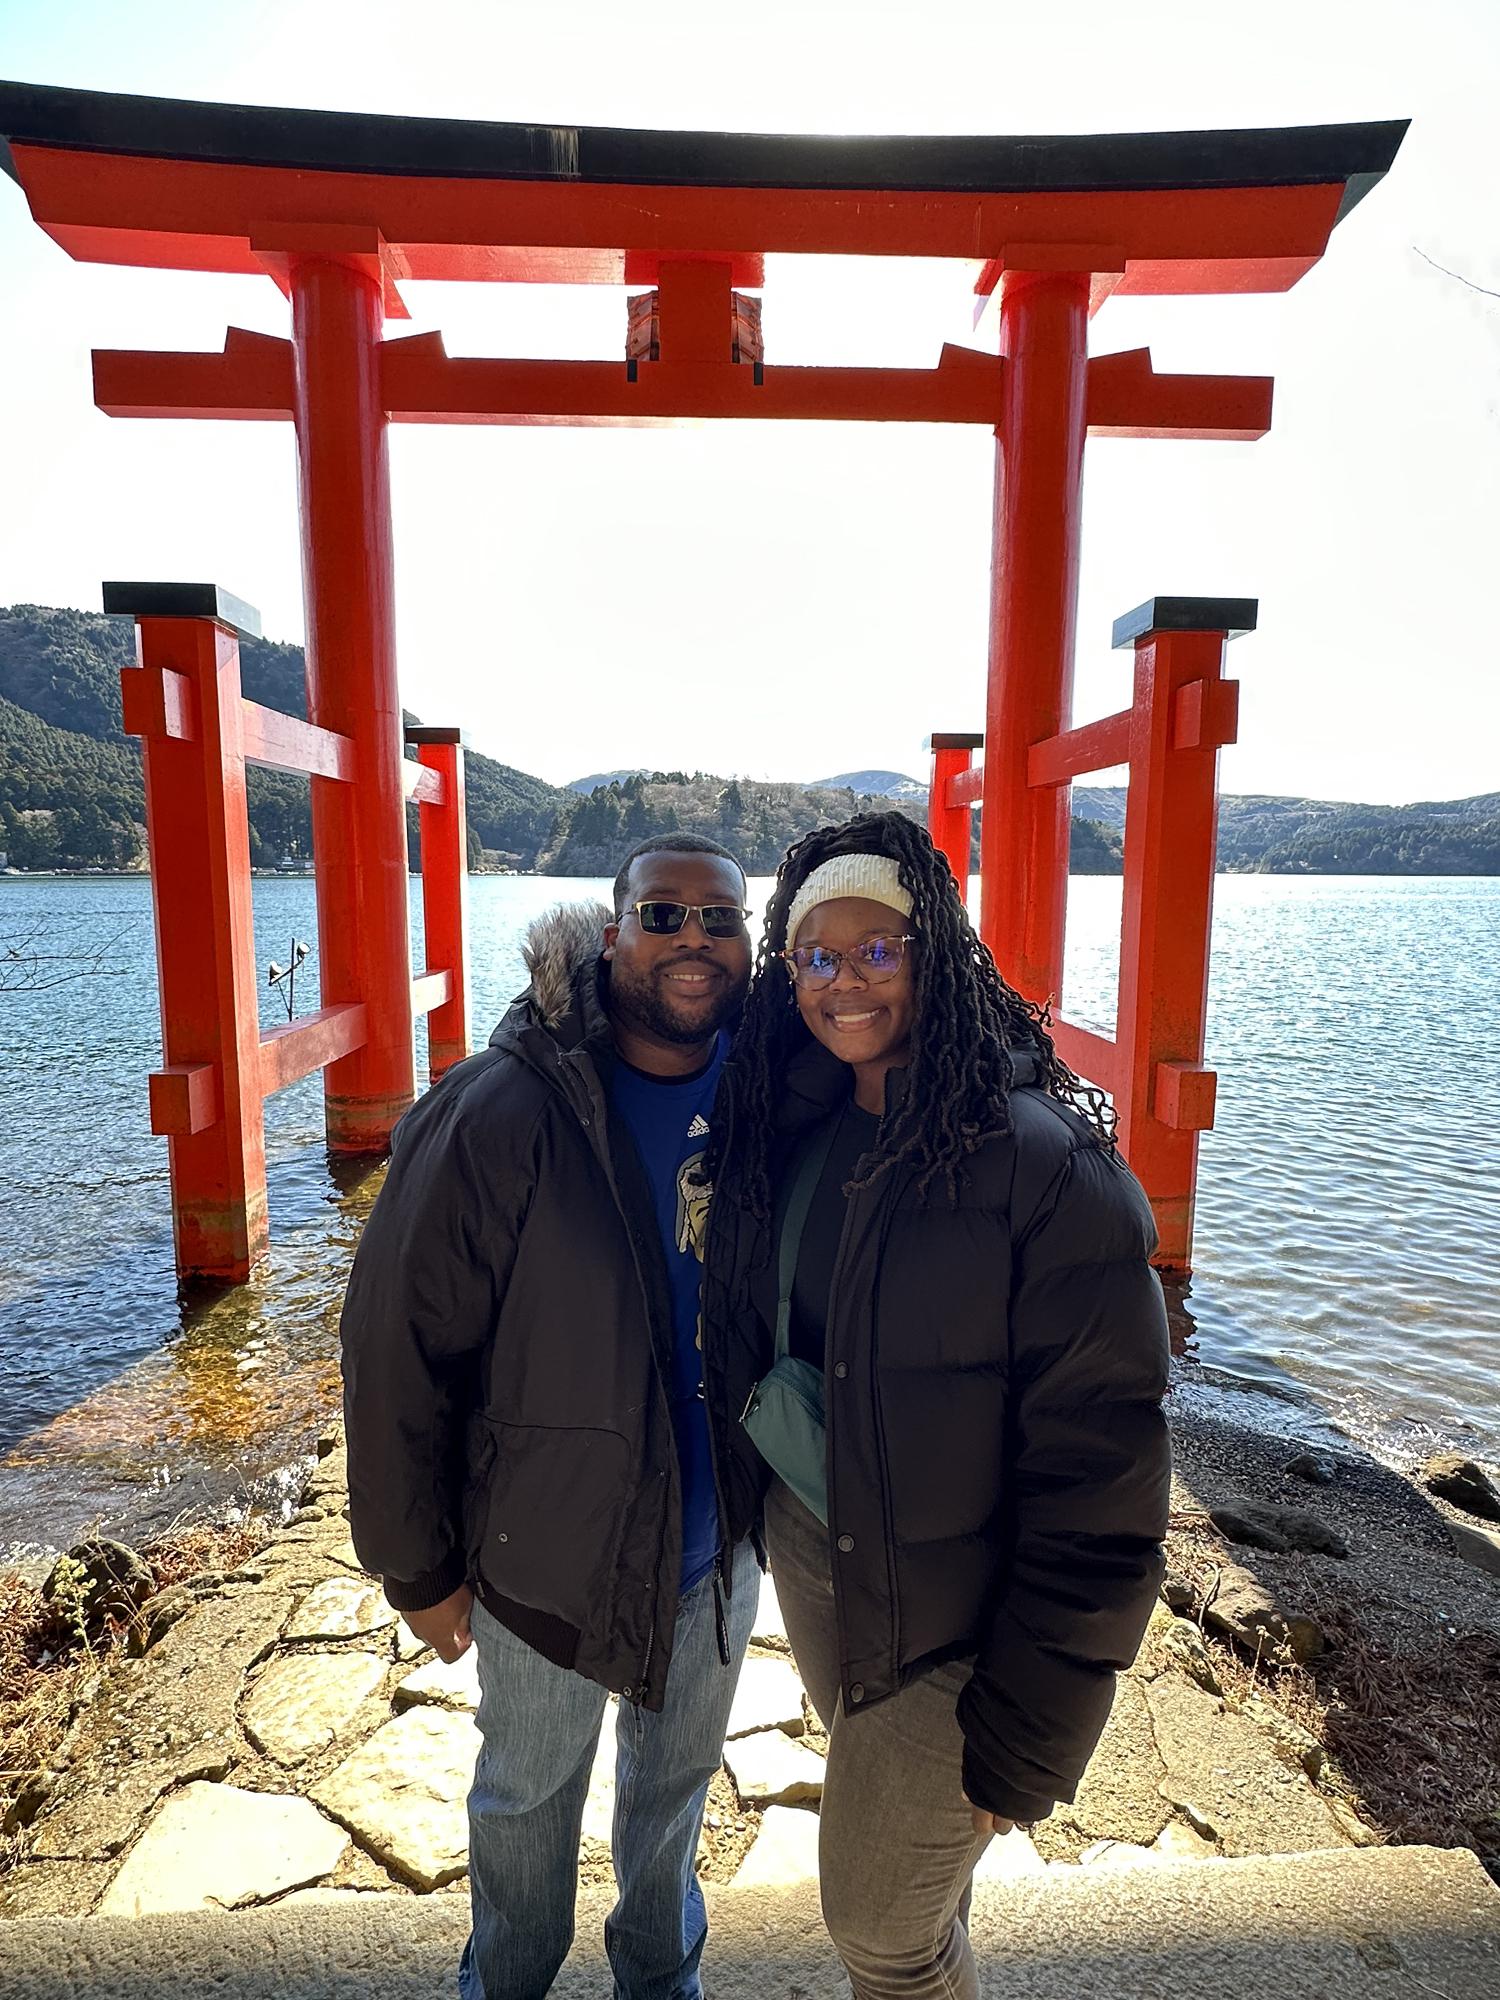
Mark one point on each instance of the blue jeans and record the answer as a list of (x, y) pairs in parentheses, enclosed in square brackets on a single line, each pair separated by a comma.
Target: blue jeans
[(539, 1729)]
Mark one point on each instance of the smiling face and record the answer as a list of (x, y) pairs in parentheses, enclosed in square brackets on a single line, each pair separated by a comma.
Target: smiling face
[(675, 991), (863, 1022)]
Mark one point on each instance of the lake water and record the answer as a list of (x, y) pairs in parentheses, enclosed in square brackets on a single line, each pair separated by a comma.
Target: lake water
[(1348, 1219)]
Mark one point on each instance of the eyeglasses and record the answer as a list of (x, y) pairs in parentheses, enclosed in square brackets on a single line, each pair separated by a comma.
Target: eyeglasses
[(719, 920), (876, 960)]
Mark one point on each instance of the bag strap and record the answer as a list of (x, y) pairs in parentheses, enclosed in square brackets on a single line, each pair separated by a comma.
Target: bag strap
[(794, 1222)]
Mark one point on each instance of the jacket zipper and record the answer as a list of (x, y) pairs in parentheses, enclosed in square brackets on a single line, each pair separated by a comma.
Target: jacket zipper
[(830, 1432), (593, 1122), (722, 1589), (828, 1423), (723, 1580)]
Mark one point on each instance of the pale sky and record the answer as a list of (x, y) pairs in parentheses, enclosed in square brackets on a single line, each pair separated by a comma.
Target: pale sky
[(795, 600)]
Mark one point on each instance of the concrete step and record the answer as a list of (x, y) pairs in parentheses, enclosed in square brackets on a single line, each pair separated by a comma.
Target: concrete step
[(1351, 1924)]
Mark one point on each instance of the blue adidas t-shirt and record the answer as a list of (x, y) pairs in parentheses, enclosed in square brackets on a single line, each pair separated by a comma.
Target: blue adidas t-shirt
[(667, 1117)]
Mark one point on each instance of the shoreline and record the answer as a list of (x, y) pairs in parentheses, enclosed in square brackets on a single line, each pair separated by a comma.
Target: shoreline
[(1201, 1394), (232, 1689), (307, 874)]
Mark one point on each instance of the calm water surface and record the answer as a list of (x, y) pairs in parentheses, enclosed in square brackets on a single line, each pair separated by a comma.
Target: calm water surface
[(1347, 1224)]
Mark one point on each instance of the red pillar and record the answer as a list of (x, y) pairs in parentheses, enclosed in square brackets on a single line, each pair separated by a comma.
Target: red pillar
[(1033, 612), (950, 825), (1183, 712), (445, 869), (359, 829), (184, 701)]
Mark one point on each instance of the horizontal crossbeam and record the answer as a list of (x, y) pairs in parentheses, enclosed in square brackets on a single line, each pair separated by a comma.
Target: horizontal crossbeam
[(288, 1054), (285, 743), (421, 383), (966, 788), (1096, 1058), (430, 990), (1096, 746), (420, 783)]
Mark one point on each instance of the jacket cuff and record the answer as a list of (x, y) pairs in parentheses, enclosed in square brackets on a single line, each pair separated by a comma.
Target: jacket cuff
[(992, 1795), (422, 1592)]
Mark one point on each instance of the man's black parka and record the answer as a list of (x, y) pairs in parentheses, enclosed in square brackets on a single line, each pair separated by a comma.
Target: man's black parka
[(506, 1338)]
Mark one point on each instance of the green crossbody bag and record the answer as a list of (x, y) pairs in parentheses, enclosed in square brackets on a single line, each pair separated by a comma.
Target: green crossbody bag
[(784, 1417)]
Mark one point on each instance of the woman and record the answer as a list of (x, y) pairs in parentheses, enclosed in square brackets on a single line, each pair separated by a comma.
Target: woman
[(932, 1206)]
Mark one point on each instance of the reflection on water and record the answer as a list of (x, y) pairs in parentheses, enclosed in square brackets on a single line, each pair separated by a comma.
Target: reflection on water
[(1345, 1234)]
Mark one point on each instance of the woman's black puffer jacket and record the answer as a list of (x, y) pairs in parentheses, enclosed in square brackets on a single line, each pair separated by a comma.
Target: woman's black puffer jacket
[(998, 1457)]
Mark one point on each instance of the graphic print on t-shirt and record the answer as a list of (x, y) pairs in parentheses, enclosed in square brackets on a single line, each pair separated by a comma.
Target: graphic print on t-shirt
[(694, 1194)]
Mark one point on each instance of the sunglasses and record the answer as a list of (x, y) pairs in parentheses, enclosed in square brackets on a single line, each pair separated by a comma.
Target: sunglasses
[(876, 960), (719, 920)]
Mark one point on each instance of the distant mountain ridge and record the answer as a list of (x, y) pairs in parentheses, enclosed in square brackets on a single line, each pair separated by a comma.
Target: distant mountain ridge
[(877, 784), (71, 793)]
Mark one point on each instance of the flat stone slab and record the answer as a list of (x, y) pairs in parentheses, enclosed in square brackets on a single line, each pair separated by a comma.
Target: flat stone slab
[(403, 1794), (1386, 1924), (1007, 1856), (769, 1628), (442, 1685), (1226, 1774), (1117, 1795), (599, 1806), (163, 1721), (769, 1696), (785, 1850), (341, 1607), (52, 1889), (769, 1768), (307, 1702), (405, 1644), (1178, 1842), (216, 1847)]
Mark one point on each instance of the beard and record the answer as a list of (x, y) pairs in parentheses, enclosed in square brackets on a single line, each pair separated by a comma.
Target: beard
[(642, 1001)]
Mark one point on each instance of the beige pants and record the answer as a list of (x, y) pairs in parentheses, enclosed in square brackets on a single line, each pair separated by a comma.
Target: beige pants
[(896, 1845)]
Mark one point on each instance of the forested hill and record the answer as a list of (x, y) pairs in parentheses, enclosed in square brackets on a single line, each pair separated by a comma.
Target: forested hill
[(70, 779), (71, 796)]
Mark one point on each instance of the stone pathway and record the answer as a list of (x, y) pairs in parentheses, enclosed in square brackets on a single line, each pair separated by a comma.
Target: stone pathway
[(286, 1739)]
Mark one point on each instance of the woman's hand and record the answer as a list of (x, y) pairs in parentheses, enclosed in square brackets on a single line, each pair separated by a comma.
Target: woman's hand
[(987, 1822)]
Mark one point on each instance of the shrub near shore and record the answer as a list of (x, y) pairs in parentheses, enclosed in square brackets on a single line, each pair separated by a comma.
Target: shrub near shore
[(55, 1649)]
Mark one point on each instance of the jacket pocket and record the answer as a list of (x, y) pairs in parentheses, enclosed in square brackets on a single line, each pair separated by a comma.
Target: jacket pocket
[(550, 1529)]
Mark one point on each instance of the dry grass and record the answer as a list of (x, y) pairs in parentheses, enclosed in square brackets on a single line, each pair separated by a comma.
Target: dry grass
[(1412, 1737), (46, 1672)]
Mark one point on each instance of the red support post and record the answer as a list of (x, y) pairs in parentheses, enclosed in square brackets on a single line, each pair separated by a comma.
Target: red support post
[(1033, 615), (950, 824), (445, 867), (1183, 712), (184, 701), (359, 829)]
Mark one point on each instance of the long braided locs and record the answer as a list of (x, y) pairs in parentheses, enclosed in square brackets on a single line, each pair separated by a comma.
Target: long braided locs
[(968, 1022)]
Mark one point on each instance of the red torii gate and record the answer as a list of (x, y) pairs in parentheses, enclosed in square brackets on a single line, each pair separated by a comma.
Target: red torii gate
[(339, 208)]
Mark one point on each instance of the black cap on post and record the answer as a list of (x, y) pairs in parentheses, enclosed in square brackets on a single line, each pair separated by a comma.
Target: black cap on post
[(183, 600), (421, 732), (1233, 616), (947, 740)]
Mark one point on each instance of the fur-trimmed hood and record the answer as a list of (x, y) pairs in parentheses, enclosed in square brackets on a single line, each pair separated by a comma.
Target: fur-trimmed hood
[(563, 1001)]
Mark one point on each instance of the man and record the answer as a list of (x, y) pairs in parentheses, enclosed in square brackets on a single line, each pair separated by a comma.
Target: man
[(531, 1465)]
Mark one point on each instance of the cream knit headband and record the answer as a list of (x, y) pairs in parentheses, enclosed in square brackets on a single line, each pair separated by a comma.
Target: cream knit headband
[(874, 875)]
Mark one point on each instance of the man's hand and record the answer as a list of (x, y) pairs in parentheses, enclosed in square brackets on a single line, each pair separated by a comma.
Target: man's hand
[(986, 1822), (446, 1626)]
